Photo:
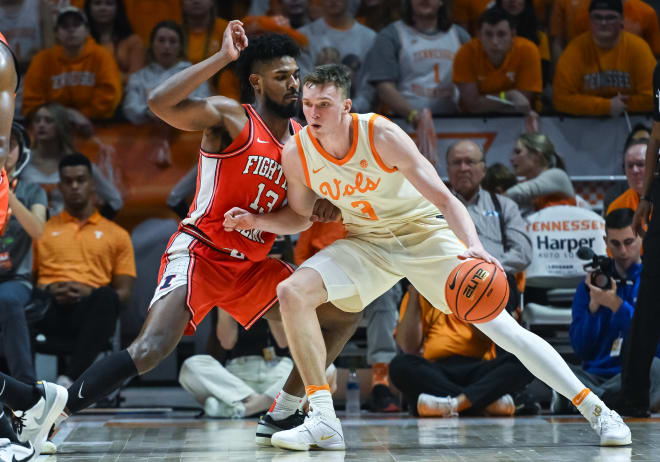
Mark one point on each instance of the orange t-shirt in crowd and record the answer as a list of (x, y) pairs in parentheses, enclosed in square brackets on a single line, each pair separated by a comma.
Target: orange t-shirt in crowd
[(201, 44), (520, 70), (587, 77), (570, 18), (90, 83), (129, 55), (317, 237), (446, 335), (145, 14), (628, 200), (90, 253)]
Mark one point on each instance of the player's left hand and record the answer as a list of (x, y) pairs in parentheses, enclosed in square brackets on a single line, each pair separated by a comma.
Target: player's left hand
[(325, 211), (481, 254), (237, 218)]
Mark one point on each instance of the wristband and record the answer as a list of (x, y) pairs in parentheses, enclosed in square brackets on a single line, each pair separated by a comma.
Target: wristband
[(412, 115), (503, 95)]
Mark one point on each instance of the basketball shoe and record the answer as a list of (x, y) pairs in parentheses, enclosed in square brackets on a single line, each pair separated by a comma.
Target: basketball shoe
[(435, 406), (267, 426), (319, 431), (16, 452), (35, 423), (610, 427)]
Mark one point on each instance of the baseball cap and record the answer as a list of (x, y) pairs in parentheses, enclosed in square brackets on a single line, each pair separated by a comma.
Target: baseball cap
[(614, 5), (70, 10)]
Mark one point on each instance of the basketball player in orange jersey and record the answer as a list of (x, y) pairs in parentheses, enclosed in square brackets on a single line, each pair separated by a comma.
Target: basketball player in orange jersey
[(9, 81), (402, 222), (205, 266)]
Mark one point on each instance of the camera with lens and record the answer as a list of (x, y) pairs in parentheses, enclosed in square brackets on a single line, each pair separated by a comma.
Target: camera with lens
[(602, 268)]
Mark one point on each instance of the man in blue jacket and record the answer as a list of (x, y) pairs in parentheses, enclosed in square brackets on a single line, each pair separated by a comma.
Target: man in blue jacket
[(601, 318)]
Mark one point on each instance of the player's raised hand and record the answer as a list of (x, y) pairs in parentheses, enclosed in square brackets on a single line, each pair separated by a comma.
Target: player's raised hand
[(481, 254), (238, 219), (234, 40), (325, 211)]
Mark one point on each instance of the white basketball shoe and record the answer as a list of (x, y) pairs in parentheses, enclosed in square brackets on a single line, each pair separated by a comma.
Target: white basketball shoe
[(319, 431), (34, 424), (610, 427)]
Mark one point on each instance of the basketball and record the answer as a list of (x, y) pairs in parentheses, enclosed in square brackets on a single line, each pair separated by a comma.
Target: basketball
[(476, 291)]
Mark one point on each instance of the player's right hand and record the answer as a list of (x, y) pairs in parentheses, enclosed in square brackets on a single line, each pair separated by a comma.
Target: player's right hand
[(238, 219), (325, 211), (234, 40), (641, 218)]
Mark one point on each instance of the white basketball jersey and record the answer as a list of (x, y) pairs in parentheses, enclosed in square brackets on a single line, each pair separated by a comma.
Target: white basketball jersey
[(368, 193), (425, 63)]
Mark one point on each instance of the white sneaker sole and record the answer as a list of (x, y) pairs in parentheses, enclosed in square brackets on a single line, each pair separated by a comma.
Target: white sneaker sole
[(61, 397), (293, 446), (616, 441), (262, 441)]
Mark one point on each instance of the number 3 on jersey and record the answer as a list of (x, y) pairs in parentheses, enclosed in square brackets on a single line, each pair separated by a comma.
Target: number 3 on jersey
[(270, 194), (366, 208)]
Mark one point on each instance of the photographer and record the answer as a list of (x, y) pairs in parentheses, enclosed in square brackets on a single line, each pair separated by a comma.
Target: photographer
[(602, 315)]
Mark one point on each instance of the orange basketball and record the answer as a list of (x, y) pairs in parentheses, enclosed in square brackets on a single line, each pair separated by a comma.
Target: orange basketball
[(476, 291)]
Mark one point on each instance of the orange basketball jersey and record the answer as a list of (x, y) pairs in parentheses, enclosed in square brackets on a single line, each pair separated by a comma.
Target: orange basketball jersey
[(247, 174), (4, 201)]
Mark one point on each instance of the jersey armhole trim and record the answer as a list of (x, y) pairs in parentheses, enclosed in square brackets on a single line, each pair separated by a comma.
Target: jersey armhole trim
[(303, 160), (379, 161)]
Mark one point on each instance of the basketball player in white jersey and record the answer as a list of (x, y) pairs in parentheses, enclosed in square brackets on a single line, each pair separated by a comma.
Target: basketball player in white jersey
[(402, 221)]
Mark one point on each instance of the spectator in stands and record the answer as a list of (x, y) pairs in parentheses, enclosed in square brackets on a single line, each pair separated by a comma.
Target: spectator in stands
[(296, 12), (449, 367), (546, 181), (109, 26), (380, 316), (336, 29), (601, 317), (27, 202), (498, 72), (498, 179), (606, 71), (497, 218), (52, 141), (202, 29), (466, 13), (523, 16), (639, 131), (145, 14), (27, 25), (86, 263), (77, 73), (411, 61), (256, 365), (634, 164), (570, 18), (165, 58)]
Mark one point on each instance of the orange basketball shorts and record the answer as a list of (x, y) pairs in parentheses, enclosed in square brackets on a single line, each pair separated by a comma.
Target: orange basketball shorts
[(244, 289)]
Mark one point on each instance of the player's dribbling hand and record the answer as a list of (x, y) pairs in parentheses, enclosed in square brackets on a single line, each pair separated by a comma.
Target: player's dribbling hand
[(234, 40), (481, 254), (237, 218), (325, 211)]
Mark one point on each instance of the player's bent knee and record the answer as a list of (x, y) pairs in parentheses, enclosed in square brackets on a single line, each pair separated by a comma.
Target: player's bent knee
[(148, 353)]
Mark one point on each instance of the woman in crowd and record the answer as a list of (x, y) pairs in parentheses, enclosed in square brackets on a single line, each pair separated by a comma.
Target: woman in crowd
[(52, 140), (109, 26), (165, 57), (202, 29), (546, 181)]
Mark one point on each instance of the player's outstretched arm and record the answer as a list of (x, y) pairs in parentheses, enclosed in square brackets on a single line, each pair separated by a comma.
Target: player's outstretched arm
[(290, 219), (8, 82), (397, 150), (170, 100)]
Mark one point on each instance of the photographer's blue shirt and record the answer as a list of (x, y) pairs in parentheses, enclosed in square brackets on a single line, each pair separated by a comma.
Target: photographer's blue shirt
[(597, 338)]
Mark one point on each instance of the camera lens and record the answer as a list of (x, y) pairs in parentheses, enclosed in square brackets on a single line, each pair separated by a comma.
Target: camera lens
[(600, 280)]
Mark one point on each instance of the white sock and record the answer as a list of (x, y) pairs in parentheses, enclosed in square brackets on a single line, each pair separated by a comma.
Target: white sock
[(589, 405), (285, 405), (535, 353), (321, 400)]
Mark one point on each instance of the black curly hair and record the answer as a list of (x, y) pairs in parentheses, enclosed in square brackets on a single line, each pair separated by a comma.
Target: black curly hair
[(260, 49)]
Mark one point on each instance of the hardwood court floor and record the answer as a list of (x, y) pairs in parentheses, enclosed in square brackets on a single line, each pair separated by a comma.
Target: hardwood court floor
[(180, 437)]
